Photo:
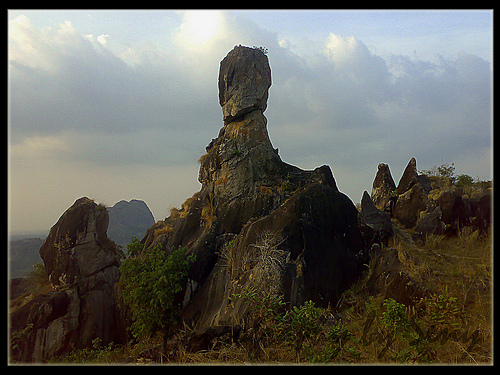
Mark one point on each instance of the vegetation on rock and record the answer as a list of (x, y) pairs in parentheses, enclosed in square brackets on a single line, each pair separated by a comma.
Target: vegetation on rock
[(151, 282)]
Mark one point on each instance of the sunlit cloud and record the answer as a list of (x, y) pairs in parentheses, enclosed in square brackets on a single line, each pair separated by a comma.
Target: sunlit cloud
[(81, 101), (200, 29)]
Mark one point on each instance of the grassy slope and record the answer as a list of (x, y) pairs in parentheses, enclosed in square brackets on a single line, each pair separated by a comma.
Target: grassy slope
[(457, 272)]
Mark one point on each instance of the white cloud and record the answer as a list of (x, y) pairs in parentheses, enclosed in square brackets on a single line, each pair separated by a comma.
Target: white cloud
[(103, 39), (152, 107)]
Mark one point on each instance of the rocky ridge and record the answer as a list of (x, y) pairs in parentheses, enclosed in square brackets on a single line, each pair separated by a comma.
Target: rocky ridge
[(430, 205)]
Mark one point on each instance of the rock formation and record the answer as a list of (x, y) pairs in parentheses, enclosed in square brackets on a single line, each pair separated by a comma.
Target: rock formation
[(82, 267), (127, 219), (431, 205), (375, 225), (249, 196), (244, 81), (384, 189)]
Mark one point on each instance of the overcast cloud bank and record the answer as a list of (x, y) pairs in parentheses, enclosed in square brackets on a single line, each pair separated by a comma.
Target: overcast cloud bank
[(90, 115)]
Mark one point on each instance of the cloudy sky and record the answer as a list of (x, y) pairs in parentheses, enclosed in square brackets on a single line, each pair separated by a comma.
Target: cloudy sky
[(120, 104)]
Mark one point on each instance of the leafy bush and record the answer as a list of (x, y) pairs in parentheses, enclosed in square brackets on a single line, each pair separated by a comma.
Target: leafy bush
[(394, 317), (151, 282), (301, 328), (98, 353), (135, 247)]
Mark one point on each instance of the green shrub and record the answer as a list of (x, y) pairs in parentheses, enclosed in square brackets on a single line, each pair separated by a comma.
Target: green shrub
[(151, 282)]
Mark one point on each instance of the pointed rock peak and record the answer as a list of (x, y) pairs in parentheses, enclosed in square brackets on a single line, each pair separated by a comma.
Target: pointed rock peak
[(366, 199), (244, 81), (384, 178), (383, 187), (409, 177)]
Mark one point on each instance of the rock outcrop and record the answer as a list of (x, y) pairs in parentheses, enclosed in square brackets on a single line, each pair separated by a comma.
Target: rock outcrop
[(375, 225), (430, 205), (248, 193), (384, 191), (127, 219), (82, 267)]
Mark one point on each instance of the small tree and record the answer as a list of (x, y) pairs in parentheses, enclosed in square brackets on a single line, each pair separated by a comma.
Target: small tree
[(151, 282), (135, 247), (445, 170), (464, 180)]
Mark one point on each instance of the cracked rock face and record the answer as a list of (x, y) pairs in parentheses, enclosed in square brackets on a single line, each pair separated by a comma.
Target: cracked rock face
[(82, 266), (77, 244), (244, 81)]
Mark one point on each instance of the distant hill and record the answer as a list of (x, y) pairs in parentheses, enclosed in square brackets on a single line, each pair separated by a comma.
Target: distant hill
[(23, 254), (127, 219)]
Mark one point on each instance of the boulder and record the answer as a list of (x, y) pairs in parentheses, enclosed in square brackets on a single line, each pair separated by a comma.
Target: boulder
[(316, 229), (375, 225), (82, 267), (78, 245), (390, 277), (409, 205), (127, 219), (456, 212), (384, 189), (425, 182), (481, 211), (430, 224), (244, 81)]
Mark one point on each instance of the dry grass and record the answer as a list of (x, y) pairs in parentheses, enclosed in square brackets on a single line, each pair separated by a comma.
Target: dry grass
[(264, 260), (458, 269), (167, 229), (265, 190), (267, 275)]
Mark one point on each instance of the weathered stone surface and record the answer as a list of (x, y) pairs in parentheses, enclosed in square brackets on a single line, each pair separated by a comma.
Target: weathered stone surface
[(316, 228), (390, 278), (409, 177), (248, 191), (82, 266), (430, 224), (77, 245), (244, 81), (481, 210), (409, 205), (375, 225), (383, 189)]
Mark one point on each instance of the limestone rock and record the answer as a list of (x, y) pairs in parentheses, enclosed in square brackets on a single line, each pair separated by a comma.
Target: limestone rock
[(244, 81)]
